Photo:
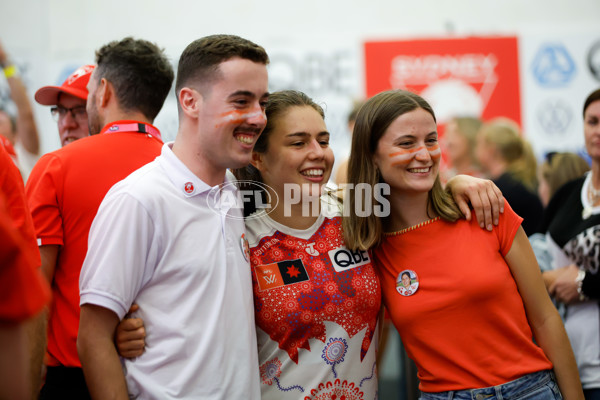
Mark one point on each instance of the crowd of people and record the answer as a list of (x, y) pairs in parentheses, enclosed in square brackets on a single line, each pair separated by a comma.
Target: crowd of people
[(225, 265)]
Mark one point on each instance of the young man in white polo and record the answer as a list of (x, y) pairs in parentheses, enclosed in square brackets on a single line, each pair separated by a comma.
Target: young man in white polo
[(168, 239)]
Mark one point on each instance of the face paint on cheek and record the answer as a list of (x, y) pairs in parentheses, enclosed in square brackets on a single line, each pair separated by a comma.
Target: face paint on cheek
[(236, 117), (435, 152), (402, 157)]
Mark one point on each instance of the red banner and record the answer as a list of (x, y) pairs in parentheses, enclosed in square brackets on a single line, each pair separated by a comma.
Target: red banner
[(468, 76)]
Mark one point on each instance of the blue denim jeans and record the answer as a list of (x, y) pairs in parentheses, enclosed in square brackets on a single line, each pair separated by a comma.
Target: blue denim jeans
[(536, 386), (592, 394)]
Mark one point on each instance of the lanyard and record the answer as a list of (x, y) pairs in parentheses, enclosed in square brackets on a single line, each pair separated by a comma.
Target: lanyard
[(135, 127)]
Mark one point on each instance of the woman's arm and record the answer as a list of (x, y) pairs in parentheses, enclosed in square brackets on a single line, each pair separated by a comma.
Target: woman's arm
[(545, 321), (483, 195)]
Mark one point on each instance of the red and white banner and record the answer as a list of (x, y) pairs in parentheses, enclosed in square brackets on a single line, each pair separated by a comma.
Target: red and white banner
[(475, 76)]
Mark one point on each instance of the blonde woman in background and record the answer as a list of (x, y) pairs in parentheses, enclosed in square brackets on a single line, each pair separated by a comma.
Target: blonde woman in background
[(558, 169), (509, 161), (460, 139)]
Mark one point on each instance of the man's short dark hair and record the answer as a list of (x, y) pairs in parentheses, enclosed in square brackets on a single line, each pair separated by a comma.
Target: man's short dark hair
[(140, 73), (199, 62)]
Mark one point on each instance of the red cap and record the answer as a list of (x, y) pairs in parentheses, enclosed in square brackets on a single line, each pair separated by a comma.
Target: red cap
[(75, 84)]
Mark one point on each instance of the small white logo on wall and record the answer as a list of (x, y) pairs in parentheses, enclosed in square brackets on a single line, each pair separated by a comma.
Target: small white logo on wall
[(344, 259), (554, 116)]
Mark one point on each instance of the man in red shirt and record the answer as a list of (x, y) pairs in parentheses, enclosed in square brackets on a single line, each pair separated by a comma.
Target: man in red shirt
[(126, 91)]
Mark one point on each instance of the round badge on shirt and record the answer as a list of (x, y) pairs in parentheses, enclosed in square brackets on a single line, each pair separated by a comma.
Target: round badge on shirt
[(188, 187), (407, 282)]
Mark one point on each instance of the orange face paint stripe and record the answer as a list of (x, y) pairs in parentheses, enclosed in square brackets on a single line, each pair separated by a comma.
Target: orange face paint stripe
[(435, 152), (431, 149), (403, 152), (237, 117), (403, 157)]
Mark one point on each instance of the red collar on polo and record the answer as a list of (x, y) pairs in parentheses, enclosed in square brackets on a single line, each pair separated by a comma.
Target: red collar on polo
[(132, 126)]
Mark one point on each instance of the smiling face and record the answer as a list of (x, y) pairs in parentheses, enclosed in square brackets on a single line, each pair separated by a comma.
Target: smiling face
[(408, 153), (405, 280), (591, 130), (232, 113), (298, 151)]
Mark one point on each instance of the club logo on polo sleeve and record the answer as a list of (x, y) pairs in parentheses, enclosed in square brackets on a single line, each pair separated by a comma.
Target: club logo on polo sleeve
[(344, 259), (283, 273)]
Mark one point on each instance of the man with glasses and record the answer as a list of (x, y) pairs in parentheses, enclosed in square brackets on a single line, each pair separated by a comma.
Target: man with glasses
[(68, 101)]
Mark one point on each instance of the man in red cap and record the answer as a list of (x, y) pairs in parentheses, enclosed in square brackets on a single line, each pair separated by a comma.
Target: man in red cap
[(68, 101)]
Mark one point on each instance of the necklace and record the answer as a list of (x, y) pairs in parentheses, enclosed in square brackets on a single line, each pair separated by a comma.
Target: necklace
[(411, 228), (593, 193), (593, 197)]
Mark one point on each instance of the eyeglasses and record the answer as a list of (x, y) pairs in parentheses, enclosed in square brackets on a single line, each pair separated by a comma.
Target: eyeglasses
[(78, 113)]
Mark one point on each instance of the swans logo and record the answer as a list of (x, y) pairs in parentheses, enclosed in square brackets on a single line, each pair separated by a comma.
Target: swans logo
[(225, 199), (553, 66)]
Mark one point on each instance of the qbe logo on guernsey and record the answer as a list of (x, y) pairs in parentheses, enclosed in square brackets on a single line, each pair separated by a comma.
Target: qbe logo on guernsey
[(344, 259)]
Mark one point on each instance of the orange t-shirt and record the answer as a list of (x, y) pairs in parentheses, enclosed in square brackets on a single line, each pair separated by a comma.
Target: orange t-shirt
[(23, 291), (4, 142), (64, 192), (11, 184), (465, 324)]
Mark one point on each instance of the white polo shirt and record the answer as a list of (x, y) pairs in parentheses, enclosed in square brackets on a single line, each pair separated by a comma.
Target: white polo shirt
[(167, 241)]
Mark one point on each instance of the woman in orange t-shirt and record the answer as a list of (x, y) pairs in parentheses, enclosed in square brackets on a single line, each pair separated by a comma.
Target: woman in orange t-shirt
[(473, 337)]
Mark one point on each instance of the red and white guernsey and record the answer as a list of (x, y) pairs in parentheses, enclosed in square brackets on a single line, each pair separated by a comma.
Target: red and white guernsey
[(316, 306)]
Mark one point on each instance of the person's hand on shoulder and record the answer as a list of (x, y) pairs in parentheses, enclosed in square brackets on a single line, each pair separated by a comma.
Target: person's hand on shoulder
[(482, 194)]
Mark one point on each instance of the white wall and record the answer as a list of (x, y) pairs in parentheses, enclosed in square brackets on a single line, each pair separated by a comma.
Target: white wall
[(303, 38)]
